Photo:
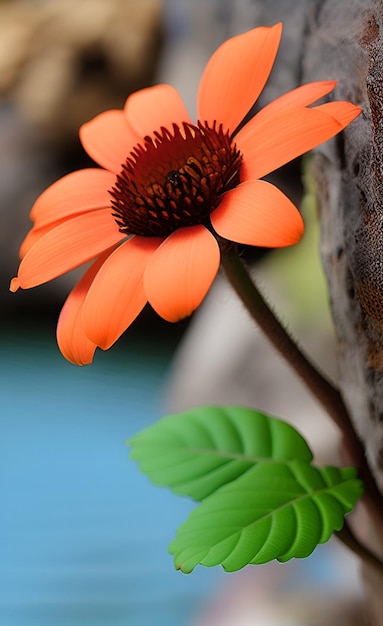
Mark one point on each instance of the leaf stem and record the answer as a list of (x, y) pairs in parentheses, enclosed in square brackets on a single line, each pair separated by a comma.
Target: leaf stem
[(324, 391)]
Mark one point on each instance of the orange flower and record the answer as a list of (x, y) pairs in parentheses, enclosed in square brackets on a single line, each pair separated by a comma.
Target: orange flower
[(149, 216)]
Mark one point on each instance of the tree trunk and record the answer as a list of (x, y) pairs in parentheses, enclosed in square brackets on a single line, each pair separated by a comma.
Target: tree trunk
[(345, 41)]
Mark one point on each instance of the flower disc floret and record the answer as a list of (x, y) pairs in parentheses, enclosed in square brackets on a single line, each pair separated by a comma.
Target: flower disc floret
[(175, 179)]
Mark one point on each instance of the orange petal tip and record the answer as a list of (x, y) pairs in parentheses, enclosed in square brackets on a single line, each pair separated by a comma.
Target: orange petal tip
[(15, 285)]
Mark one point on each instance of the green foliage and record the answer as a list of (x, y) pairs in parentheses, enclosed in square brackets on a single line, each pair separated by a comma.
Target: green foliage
[(261, 497), (275, 511), (198, 451)]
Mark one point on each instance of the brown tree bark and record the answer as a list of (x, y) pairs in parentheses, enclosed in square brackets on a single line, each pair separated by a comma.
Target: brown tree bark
[(344, 40)]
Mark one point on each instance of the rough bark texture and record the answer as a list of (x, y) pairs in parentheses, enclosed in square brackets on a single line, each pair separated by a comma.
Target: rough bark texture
[(345, 40)]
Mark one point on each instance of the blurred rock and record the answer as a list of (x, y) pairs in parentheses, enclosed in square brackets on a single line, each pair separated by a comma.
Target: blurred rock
[(320, 591), (61, 63)]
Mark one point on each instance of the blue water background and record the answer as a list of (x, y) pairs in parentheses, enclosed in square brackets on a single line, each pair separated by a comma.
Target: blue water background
[(84, 536)]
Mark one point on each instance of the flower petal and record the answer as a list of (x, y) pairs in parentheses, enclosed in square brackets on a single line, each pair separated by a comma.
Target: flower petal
[(78, 192), (149, 109), (108, 139), (302, 96), (181, 271), (257, 213), (32, 237), (117, 294), (268, 143), (236, 74), (342, 112), (67, 246), (75, 346)]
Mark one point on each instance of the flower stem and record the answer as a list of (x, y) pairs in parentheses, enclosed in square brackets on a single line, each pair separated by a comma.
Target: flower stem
[(246, 289), (324, 391)]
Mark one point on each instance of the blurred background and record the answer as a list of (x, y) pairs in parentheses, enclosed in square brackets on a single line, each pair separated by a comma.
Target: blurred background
[(83, 535)]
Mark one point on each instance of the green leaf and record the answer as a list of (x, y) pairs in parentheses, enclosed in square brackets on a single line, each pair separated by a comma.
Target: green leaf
[(277, 510), (262, 498), (196, 452)]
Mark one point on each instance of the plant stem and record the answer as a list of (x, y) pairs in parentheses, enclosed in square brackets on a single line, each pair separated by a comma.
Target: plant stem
[(325, 392), (246, 289)]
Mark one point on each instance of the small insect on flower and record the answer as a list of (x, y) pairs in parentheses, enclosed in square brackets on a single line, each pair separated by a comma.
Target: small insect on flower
[(169, 190), (174, 179)]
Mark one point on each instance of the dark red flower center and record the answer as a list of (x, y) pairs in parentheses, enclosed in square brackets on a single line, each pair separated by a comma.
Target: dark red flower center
[(174, 180)]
